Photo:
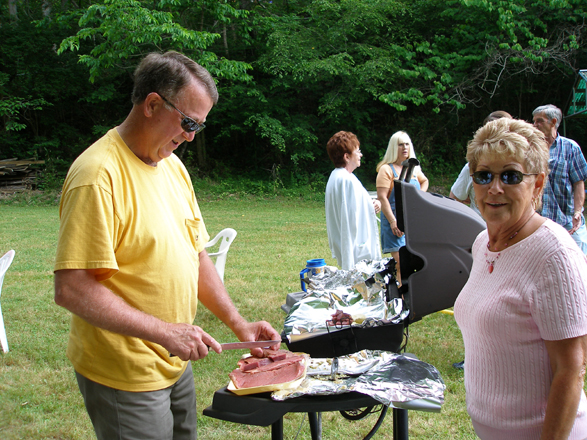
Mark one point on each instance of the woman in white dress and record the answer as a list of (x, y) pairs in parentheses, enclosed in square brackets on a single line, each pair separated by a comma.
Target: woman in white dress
[(351, 220)]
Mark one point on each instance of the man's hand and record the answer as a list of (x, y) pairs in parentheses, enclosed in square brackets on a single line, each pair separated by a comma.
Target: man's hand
[(189, 342), (258, 331), (578, 202), (213, 296), (576, 222)]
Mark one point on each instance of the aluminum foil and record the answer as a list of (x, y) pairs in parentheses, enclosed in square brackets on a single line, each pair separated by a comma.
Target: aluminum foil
[(403, 379), (359, 292), (394, 380)]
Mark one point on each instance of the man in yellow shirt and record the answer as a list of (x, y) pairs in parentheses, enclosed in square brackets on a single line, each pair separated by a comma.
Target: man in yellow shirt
[(131, 264)]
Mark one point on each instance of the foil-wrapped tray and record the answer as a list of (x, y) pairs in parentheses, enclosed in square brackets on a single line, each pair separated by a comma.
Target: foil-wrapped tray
[(395, 380), (364, 294)]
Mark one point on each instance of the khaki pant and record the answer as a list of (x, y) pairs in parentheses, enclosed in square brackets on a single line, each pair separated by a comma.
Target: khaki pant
[(168, 414)]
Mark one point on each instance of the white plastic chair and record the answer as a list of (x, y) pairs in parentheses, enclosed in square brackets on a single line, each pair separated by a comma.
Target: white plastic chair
[(226, 237), (5, 262)]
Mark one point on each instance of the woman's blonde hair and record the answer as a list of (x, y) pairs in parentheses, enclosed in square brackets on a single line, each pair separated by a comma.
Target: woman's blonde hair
[(510, 138), (513, 138), (392, 148)]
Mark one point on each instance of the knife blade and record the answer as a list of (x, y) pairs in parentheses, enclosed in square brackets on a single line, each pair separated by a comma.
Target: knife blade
[(242, 345), (249, 344)]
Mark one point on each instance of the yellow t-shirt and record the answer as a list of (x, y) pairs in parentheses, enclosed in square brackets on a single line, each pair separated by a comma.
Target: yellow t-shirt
[(142, 226)]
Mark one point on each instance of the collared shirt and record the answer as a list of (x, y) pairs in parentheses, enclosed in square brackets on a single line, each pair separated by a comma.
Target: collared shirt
[(567, 166)]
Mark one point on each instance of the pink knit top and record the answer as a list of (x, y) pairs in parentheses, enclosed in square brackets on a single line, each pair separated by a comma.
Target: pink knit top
[(537, 292)]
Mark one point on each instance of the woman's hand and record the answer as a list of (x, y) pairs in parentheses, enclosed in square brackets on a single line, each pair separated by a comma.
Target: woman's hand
[(377, 206), (382, 196), (395, 229)]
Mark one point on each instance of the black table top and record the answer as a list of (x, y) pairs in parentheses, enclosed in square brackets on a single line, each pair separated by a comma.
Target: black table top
[(261, 410)]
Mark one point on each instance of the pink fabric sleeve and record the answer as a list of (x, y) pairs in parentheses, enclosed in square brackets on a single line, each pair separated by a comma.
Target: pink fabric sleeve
[(559, 305)]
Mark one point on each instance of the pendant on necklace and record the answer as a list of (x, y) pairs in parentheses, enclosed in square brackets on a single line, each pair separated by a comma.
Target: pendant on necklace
[(492, 262)]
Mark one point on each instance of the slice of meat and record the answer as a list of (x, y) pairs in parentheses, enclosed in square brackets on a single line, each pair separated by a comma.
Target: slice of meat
[(278, 364), (287, 368), (278, 357), (267, 352), (268, 357), (262, 377), (252, 360), (249, 366)]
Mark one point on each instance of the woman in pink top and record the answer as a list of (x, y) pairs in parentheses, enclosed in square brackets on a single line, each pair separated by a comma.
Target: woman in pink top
[(523, 311)]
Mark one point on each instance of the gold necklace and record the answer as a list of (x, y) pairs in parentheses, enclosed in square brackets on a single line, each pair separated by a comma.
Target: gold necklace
[(492, 262)]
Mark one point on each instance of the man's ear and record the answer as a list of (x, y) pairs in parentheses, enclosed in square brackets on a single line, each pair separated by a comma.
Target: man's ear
[(151, 103)]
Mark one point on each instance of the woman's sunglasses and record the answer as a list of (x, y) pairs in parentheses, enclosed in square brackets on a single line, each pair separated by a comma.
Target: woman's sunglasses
[(509, 177)]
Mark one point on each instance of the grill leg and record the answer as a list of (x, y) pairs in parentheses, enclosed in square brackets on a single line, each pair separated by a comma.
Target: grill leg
[(277, 430), (400, 424), (315, 420)]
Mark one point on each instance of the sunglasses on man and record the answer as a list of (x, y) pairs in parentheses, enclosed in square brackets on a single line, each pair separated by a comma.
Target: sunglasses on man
[(187, 123), (508, 177)]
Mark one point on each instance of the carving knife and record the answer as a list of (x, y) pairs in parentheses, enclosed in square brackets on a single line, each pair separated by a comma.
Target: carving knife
[(248, 344)]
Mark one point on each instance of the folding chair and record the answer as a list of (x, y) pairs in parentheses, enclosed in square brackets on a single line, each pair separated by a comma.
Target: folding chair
[(5, 262), (226, 236)]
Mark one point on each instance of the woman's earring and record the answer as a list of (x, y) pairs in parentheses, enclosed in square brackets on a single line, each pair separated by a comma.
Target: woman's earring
[(535, 203)]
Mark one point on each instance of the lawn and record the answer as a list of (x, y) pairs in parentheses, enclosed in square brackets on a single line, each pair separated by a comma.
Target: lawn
[(38, 394)]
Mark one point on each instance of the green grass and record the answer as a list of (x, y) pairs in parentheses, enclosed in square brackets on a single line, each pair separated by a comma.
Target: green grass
[(39, 398)]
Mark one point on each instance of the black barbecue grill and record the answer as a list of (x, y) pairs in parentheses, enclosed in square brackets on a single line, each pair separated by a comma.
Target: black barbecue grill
[(435, 265)]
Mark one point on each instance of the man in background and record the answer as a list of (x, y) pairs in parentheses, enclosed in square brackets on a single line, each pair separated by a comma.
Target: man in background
[(564, 192), (131, 264)]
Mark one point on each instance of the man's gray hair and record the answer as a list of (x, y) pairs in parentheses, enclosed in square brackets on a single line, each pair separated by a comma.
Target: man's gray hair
[(168, 74), (551, 112)]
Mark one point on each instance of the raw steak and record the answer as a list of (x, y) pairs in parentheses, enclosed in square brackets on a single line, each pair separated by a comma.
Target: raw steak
[(256, 372), (268, 357)]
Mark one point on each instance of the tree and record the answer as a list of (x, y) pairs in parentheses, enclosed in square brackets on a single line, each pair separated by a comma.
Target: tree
[(376, 66), (290, 74)]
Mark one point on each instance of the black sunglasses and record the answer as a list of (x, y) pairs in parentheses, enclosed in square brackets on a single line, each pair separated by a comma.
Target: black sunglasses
[(509, 177), (187, 123)]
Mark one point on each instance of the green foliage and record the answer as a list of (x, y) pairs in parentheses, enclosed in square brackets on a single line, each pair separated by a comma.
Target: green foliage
[(13, 109), (352, 49), (38, 90), (505, 38), (124, 31), (293, 140), (290, 74), (291, 186)]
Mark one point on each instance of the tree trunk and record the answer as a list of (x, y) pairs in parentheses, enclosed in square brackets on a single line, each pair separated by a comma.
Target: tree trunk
[(201, 149), (12, 9), (181, 150), (46, 8), (225, 40)]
